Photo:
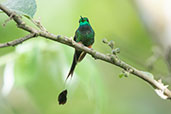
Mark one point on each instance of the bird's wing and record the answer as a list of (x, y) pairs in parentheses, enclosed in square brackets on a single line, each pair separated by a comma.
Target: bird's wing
[(75, 37)]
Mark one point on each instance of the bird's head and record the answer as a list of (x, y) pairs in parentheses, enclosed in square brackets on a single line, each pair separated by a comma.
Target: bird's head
[(84, 21)]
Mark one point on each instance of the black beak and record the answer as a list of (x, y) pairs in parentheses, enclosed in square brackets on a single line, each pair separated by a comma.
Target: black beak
[(81, 17)]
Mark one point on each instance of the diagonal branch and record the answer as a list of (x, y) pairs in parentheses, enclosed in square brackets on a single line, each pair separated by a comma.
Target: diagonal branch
[(17, 41), (159, 87)]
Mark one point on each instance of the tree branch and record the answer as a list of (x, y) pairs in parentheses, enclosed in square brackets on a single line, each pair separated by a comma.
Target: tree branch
[(159, 87), (17, 41)]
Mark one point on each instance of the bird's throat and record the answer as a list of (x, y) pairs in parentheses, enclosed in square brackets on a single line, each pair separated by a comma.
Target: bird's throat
[(84, 28), (84, 23)]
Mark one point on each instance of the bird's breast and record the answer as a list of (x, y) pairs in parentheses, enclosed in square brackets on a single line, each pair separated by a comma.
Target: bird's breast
[(85, 28), (86, 35)]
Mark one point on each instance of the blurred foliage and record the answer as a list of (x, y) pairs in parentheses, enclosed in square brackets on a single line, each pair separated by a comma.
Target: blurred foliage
[(23, 7), (40, 66)]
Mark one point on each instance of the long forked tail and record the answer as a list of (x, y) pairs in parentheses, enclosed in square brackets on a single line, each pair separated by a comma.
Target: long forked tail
[(78, 56), (74, 63)]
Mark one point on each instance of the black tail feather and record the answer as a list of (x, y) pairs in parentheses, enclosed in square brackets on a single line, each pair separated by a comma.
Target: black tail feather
[(72, 68), (74, 63)]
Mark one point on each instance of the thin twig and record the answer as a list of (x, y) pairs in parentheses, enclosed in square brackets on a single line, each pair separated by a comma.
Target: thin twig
[(38, 24), (17, 41)]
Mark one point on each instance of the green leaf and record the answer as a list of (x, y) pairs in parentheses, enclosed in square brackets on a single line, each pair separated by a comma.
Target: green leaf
[(121, 75), (22, 7)]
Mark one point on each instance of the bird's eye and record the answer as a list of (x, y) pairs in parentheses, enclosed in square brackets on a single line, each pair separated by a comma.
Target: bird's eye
[(87, 20)]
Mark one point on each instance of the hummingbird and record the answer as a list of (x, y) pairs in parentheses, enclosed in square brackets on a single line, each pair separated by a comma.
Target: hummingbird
[(84, 35)]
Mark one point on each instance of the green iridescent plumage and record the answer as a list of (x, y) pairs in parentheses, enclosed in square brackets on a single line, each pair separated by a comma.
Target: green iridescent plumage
[(84, 35)]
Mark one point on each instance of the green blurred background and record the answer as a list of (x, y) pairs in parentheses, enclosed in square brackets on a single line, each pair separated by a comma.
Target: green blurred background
[(36, 69)]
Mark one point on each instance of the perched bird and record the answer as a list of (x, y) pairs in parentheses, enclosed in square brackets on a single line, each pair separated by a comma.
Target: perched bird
[(85, 36)]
